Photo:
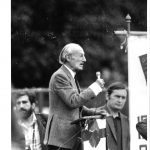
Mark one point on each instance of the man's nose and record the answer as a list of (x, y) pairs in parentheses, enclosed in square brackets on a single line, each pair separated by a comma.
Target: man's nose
[(120, 99), (84, 59), (21, 105)]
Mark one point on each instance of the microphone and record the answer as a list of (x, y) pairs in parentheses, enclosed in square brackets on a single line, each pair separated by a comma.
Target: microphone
[(98, 75)]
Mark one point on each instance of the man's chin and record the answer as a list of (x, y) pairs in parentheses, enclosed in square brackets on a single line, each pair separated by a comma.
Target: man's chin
[(25, 115), (118, 108), (81, 68)]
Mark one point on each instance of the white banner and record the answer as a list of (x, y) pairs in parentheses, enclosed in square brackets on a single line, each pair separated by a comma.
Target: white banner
[(138, 94)]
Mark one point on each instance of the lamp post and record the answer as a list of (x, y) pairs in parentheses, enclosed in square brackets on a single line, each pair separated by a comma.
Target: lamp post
[(128, 21), (125, 33)]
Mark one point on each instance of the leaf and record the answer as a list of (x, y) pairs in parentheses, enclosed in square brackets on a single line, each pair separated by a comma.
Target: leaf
[(86, 135), (94, 139), (92, 125)]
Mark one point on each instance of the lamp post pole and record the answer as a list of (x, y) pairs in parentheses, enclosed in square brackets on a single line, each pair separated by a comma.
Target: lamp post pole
[(128, 21)]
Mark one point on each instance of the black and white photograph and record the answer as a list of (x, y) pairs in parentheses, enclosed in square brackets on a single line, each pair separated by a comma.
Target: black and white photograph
[(78, 74)]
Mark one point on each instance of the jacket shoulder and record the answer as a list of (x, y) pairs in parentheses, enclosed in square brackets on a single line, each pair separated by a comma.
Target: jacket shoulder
[(123, 116), (42, 118)]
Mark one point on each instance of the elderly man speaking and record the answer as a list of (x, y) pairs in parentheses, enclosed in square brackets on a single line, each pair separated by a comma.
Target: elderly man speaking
[(66, 101)]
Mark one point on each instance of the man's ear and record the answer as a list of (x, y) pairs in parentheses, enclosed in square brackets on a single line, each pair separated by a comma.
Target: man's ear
[(107, 97), (68, 57), (33, 106)]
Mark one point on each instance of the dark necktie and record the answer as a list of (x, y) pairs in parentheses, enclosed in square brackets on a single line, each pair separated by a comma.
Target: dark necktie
[(77, 84), (78, 87), (117, 123)]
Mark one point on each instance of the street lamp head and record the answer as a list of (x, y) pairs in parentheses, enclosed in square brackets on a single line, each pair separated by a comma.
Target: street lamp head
[(128, 18)]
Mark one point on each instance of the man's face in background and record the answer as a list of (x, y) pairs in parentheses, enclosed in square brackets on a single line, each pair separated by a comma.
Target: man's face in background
[(24, 107), (116, 100)]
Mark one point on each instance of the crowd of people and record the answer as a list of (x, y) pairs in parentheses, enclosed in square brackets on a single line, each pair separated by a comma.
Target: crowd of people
[(66, 104)]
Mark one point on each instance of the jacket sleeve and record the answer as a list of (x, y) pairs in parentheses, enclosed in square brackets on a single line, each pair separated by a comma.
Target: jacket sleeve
[(43, 118), (93, 111), (68, 93)]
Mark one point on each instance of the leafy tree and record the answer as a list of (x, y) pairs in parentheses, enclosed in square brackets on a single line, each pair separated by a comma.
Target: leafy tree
[(41, 28)]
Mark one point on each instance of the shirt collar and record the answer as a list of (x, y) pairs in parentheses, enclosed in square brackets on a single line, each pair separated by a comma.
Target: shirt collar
[(72, 72), (116, 115)]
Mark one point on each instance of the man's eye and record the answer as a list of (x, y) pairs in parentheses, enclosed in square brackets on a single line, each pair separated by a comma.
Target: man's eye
[(117, 96), (82, 56), (22, 103), (18, 103)]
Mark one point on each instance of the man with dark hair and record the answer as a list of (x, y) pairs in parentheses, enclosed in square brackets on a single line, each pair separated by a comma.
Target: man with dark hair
[(117, 124), (31, 124), (66, 100)]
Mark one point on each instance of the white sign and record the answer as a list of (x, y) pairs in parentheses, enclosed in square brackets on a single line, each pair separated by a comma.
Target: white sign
[(138, 94)]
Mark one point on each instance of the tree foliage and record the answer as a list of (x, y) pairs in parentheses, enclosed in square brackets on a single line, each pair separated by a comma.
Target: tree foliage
[(39, 30)]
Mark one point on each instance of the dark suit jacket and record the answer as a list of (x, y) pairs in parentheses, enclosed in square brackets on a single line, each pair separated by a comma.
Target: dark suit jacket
[(111, 132), (64, 103), (42, 121)]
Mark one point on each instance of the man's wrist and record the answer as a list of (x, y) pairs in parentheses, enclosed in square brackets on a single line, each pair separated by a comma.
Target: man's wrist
[(100, 84), (96, 88)]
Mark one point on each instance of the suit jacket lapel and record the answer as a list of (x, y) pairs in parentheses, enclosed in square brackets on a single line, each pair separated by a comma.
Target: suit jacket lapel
[(110, 122), (124, 129), (77, 85), (67, 72), (69, 75), (72, 80), (40, 128)]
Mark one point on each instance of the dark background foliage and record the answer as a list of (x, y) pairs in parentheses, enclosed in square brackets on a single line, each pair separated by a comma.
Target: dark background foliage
[(39, 30)]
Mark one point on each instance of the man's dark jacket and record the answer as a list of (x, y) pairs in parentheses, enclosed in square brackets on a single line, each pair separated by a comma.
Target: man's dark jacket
[(111, 132), (41, 121)]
